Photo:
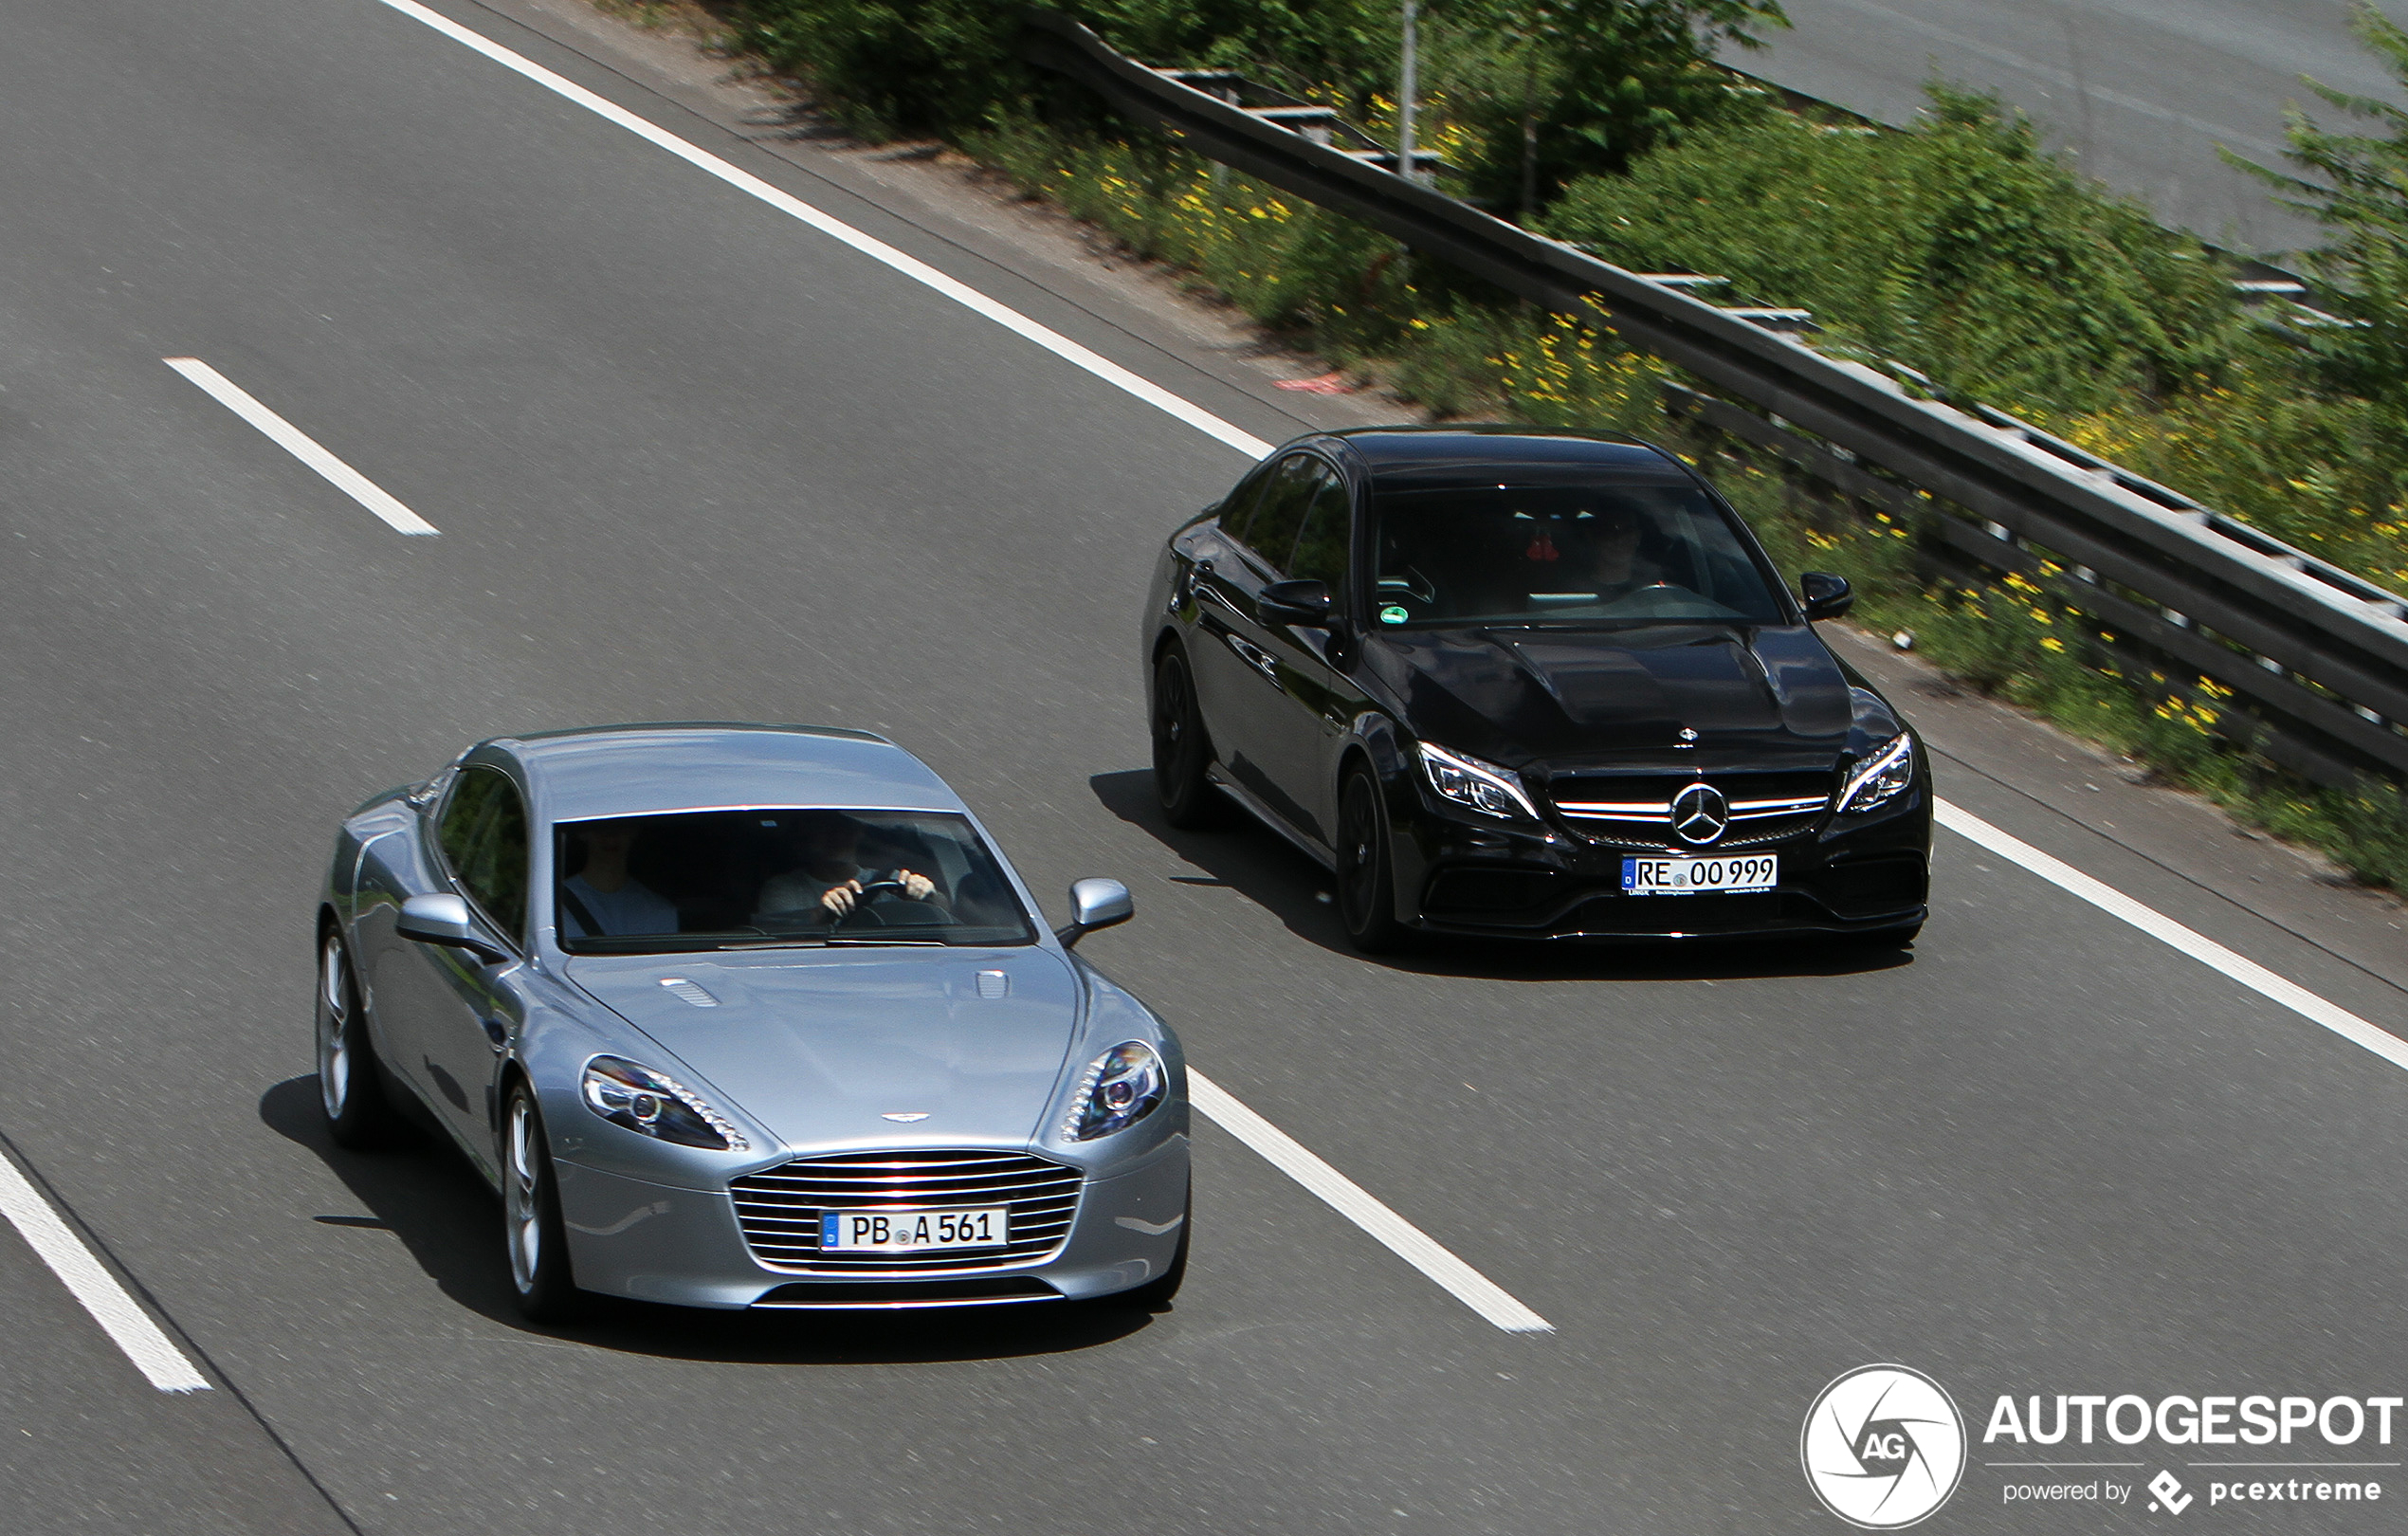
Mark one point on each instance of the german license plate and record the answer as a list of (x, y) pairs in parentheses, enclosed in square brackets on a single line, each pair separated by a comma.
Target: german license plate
[(913, 1232), (1689, 877)]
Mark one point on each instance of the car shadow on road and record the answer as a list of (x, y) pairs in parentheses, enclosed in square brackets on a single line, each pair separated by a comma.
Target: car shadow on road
[(1259, 865), (426, 1194)]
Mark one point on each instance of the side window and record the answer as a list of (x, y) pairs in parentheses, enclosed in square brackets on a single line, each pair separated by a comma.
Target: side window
[(1286, 500), (1320, 546), (484, 839), (1238, 509)]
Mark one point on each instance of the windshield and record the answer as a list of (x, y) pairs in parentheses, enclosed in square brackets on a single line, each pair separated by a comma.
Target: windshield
[(1563, 555), (732, 879)]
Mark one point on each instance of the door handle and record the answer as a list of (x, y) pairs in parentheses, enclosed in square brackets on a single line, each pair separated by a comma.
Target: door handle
[(1256, 657)]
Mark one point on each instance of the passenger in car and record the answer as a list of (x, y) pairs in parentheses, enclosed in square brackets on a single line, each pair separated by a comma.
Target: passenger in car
[(602, 898), (828, 880)]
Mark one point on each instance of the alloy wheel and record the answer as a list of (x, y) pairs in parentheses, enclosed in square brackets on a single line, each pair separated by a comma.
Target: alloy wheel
[(1366, 900), (333, 1028), (1359, 862), (1182, 751), (525, 1175), (1173, 703)]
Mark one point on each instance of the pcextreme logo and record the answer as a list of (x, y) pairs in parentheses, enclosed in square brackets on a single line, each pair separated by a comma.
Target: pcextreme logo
[(1882, 1447)]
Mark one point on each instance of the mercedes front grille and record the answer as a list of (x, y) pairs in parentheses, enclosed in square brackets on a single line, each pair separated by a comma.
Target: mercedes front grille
[(780, 1208), (1635, 810)]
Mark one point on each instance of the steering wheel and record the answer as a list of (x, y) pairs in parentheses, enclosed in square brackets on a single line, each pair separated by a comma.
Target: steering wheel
[(872, 890)]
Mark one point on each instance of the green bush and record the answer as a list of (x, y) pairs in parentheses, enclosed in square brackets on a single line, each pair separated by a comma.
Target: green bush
[(949, 66), (1958, 248), (1600, 82), (1542, 91)]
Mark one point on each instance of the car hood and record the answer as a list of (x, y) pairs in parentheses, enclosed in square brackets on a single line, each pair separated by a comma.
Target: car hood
[(1512, 695), (818, 1045)]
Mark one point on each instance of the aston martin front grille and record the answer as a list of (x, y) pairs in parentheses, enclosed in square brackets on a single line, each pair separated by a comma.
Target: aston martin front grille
[(1635, 810), (780, 1208)]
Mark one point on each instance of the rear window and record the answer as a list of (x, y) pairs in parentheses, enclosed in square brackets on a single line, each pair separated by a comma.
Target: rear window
[(1554, 555), (735, 879)]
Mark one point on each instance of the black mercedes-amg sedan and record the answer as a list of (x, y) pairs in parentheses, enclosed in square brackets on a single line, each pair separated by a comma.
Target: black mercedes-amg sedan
[(1510, 682)]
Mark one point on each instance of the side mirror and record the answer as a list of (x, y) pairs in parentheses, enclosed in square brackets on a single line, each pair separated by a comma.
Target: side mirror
[(1307, 603), (1094, 904), (1827, 596), (444, 919)]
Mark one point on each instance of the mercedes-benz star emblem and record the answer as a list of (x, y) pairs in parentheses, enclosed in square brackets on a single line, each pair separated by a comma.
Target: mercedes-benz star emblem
[(1699, 813)]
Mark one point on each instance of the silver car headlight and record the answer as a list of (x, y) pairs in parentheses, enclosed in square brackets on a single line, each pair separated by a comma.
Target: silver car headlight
[(1121, 1087), (1881, 777), (650, 1105), (1483, 786)]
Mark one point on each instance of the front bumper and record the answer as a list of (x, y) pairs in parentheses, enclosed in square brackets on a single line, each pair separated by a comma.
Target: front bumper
[(1853, 874), (652, 1242)]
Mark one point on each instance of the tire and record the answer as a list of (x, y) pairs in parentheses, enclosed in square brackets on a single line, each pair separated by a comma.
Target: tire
[(351, 1082), (1366, 883), (532, 1228), (1155, 1293), (1182, 751)]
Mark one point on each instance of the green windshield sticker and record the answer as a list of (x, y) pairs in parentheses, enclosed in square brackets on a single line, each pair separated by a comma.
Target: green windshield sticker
[(1393, 614)]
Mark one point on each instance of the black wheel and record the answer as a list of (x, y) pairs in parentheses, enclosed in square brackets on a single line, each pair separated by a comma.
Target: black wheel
[(530, 1217), (1182, 752), (1366, 889), (1155, 1293), (351, 1084)]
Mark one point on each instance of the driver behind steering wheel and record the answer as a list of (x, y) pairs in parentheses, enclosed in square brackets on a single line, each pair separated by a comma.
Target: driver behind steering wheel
[(830, 876), (1619, 568)]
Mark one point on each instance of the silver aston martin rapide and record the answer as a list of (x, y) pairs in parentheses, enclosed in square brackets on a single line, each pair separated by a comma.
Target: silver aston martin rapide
[(742, 1015)]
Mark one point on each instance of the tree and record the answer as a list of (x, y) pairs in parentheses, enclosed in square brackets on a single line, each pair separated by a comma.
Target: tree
[(1564, 88), (2356, 186)]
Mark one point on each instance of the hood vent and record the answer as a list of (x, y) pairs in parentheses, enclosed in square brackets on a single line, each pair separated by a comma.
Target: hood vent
[(994, 984), (680, 987)]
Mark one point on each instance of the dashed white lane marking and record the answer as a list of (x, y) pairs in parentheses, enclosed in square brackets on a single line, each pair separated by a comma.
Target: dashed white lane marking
[(1349, 1200), (152, 1353), (300, 446), (2165, 930), (878, 251)]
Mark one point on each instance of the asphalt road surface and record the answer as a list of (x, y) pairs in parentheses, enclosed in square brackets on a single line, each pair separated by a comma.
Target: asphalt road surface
[(691, 458), (2140, 90)]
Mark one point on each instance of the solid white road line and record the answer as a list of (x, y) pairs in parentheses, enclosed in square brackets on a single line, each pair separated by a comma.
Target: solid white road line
[(300, 446), (2159, 927), (150, 1350), (919, 271), (1415, 1247)]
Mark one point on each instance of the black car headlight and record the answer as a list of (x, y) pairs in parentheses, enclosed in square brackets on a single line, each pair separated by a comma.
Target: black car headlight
[(1121, 1087), (1881, 777), (1483, 786), (650, 1105)]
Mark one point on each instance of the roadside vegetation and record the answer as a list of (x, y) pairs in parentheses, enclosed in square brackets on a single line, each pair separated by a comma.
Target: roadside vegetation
[(1957, 246)]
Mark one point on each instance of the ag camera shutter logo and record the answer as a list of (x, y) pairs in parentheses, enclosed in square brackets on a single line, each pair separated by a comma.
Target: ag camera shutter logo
[(1883, 1447)]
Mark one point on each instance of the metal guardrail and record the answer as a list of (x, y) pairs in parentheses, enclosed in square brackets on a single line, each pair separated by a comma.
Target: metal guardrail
[(2320, 655)]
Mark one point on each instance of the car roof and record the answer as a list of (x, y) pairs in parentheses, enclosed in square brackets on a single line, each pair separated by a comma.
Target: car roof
[(1428, 458), (694, 765)]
